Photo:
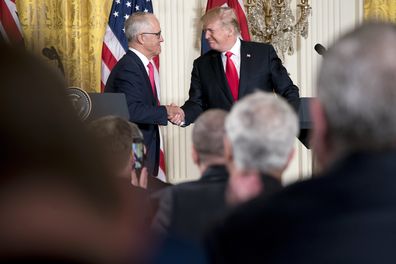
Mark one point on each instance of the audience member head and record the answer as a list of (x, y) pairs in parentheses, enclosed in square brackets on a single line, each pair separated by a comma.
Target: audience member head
[(143, 31), (221, 28), (356, 94), (41, 132), (261, 130), (207, 137), (56, 199), (116, 136)]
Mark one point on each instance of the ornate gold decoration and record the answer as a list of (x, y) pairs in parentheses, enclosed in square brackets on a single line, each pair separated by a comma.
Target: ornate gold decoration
[(74, 29), (384, 10), (272, 21)]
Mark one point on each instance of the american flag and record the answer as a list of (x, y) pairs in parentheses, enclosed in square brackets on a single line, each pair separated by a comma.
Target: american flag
[(115, 45), (10, 29), (238, 6)]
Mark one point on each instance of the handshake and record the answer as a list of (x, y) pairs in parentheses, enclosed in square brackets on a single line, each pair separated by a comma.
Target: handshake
[(175, 114)]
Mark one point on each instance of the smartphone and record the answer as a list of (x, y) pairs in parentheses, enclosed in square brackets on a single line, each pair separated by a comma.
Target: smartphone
[(138, 154)]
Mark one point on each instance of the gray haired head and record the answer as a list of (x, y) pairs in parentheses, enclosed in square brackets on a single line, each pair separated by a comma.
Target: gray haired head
[(137, 23), (357, 88), (262, 129)]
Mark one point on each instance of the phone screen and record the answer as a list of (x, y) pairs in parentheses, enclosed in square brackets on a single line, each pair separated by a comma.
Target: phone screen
[(138, 154)]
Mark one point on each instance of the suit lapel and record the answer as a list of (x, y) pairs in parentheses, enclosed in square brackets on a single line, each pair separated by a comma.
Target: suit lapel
[(245, 69), (221, 77), (147, 89)]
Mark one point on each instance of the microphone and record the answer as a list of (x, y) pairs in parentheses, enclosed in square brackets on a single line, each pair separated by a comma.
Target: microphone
[(320, 49)]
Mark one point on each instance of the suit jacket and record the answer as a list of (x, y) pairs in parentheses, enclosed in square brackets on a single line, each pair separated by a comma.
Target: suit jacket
[(347, 215), (186, 210), (260, 69), (130, 77)]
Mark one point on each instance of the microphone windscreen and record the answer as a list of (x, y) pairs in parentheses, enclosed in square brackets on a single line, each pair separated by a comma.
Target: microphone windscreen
[(320, 49)]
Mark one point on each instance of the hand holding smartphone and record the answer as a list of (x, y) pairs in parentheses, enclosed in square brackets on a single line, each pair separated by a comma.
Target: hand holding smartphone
[(138, 154)]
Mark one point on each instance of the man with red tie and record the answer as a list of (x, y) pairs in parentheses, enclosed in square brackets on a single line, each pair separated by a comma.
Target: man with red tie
[(133, 75), (233, 68)]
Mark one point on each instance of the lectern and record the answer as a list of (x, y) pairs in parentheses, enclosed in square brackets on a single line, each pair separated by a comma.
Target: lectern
[(108, 104), (305, 121)]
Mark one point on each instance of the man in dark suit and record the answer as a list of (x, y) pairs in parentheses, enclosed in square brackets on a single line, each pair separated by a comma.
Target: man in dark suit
[(134, 76), (233, 68), (348, 214), (61, 184), (186, 210)]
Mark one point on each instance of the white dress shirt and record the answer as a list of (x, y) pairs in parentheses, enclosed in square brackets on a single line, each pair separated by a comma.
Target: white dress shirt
[(236, 56), (143, 58)]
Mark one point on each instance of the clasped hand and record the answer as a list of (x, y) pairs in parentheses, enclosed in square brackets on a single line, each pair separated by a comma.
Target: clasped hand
[(175, 114)]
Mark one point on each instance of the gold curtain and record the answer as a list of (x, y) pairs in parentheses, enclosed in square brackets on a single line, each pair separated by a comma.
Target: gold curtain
[(384, 10), (73, 29)]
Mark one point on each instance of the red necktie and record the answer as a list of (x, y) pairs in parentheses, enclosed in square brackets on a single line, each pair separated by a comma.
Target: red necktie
[(232, 76), (151, 77)]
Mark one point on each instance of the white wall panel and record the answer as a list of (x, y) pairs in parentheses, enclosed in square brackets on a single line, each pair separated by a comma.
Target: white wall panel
[(179, 23), (180, 26), (329, 19)]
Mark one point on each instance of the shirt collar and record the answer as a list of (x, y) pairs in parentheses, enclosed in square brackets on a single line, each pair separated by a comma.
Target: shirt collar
[(143, 58), (236, 49)]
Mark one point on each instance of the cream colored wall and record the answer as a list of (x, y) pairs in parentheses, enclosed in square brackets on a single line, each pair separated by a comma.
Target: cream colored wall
[(180, 26)]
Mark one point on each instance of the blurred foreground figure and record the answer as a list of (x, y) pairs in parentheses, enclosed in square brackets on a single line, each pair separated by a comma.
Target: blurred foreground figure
[(259, 145), (116, 136), (124, 150), (57, 202), (348, 214)]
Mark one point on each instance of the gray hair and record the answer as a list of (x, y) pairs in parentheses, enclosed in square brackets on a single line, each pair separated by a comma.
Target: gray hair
[(208, 133), (136, 24), (225, 14), (262, 130), (357, 88)]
